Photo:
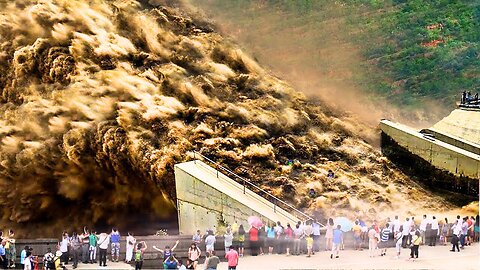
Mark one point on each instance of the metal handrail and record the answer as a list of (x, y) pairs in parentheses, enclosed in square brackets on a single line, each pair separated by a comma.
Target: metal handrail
[(246, 181)]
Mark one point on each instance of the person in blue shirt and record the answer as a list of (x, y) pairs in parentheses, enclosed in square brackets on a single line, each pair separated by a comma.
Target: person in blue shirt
[(3, 255), (270, 238), (23, 255), (337, 241), (115, 240), (171, 262)]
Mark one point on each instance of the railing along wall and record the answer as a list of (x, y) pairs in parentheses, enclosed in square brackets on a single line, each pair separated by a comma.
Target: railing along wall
[(277, 202)]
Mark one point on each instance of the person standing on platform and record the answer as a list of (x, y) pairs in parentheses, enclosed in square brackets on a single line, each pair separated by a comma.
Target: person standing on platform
[(288, 238), (357, 236), (372, 241), (337, 241), (23, 255), (232, 258), (130, 246), (49, 260), (228, 238), (3, 255), (416, 240), (384, 237), (463, 232), (139, 253), (445, 232), (434, 233), (396, 225), (262, 238), (270, 238), (297, 234), (476, 229), (241, 240), (210, 241), (194, 253), (309, 240), (76, 245), (253, 238), (423, 228), (115, 239), (329, 234), (197, 238), (406, 232), (27, 262), (455, 236), (279, 237), (92, 246), (212, 262), (316, 236), (103, 243), (398, 236), (64, 248), (85, 239), (12, 251)]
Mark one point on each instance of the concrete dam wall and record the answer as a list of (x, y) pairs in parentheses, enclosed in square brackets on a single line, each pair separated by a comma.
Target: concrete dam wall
[(452, 162)]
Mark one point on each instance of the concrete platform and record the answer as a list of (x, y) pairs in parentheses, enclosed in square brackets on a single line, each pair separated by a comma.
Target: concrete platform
[(438, 257), (461, 123), (110, 265)]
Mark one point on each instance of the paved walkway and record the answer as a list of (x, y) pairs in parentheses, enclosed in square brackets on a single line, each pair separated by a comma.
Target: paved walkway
[(438, 257), (110, 265)]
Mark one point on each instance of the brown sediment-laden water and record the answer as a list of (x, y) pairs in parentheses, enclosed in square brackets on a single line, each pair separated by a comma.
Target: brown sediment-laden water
[(100, 99)]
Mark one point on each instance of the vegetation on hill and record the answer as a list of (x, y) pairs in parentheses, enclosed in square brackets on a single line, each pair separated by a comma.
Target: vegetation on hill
[(411, 52)]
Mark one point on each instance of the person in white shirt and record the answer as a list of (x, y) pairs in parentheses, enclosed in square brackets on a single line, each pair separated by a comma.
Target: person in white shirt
[(64, 248), (434, 232), (48, 260), (406, 232), (459, 222), (297, 236), (396, 225), (278, 229), (210, 242), (455, 237), (103, 243), (423, 228), (316, 236), (130, 246), (27, 265)]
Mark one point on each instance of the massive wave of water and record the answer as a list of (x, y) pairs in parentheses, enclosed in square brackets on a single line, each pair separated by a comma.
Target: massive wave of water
[(99, 100)]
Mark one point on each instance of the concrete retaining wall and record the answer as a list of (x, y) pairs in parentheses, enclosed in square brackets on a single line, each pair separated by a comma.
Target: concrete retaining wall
[(207, 199), (440, 154)]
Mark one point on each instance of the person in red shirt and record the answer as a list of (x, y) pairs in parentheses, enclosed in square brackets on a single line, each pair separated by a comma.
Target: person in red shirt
[(375, 226), (232, 258), (470, 237), (288, 238), (253, 237)]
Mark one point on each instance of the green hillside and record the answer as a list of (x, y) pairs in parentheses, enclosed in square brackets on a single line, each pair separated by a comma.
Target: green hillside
[(409, 52)]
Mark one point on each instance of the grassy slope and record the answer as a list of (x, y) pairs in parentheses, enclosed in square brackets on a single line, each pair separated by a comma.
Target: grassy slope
[(380, 47)]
